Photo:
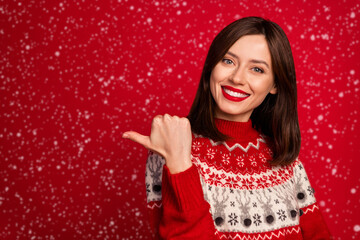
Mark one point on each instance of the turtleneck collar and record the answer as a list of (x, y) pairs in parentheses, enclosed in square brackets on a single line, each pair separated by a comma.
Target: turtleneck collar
[(236, 130)]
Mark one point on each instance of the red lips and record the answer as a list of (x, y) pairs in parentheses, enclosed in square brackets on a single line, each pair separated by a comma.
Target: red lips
[(233, 98)]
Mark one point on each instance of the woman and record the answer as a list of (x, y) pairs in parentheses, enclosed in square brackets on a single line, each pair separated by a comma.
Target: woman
[(230, 170)]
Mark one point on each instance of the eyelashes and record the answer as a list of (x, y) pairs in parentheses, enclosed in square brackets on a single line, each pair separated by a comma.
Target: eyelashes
[(257, 69), (230, 62), (227, 61)]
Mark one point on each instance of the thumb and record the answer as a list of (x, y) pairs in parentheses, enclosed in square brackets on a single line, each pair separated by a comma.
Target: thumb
[(138, 138)]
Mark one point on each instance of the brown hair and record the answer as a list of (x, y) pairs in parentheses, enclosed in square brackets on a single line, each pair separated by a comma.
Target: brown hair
[(276, 117)]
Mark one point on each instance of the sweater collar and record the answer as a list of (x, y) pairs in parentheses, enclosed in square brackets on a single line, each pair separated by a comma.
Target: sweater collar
[(236, 130)]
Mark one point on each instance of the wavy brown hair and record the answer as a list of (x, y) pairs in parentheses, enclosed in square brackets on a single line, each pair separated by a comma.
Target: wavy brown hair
[(276, 117)]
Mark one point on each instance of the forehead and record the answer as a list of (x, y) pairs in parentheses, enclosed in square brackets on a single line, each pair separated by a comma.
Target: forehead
[(251, 47)]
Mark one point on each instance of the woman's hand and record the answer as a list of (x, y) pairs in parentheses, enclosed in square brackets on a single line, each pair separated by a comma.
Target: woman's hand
[(171, 138)]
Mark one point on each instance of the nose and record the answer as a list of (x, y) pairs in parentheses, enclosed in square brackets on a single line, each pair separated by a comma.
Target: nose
[(238, 76)]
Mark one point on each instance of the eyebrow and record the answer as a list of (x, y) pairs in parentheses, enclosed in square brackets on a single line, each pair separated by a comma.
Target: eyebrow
[(252, 60)]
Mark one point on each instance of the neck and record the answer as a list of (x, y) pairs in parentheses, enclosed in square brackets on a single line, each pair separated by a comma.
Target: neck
[(236, 130)]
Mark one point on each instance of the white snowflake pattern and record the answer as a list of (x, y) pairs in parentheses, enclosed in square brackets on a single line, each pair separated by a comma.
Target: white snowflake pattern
[(262, 157), (196, 146), (268, 151), (253, 161), (240, 161), (210, 153), (226, 159)]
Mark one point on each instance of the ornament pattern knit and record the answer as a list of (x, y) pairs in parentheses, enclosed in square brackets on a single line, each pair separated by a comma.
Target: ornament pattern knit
[(232, 192)]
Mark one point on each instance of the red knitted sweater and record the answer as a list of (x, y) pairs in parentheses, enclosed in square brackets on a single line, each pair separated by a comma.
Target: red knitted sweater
[(232, 192)]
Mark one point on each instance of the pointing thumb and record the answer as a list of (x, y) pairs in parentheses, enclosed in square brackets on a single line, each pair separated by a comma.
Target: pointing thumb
[(138, 138)]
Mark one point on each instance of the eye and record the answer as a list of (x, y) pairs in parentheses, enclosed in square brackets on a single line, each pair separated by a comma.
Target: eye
[(227, 61), (259, 70)]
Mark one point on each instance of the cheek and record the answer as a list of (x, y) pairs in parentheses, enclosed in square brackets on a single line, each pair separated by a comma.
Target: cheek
[(263, 87), (215, 78), (212, 86)]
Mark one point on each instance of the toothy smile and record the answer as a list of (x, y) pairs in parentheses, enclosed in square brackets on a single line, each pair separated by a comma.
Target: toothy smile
[(235, 94)]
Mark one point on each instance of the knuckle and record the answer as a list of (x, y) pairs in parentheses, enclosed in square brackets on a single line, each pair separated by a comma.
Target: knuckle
[(157, 119), (185, 121), (168, 118)]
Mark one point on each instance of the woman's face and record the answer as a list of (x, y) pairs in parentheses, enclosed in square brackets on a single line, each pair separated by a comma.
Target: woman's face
[(242, 79)]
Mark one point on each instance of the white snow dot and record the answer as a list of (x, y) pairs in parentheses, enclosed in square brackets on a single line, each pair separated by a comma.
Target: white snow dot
[(149, 20), (312, 37), (39, 169), (353, 190), (57, 53), (178, 12), (18, 134), (333, 171), (352, 72), (341, 94), (55, 143), (27, 47), (320, 117), (352, 15), (357, 228), (322, 203), (133, 177), (325, 36)]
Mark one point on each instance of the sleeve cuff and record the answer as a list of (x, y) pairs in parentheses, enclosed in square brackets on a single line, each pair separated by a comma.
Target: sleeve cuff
[(182, 191)]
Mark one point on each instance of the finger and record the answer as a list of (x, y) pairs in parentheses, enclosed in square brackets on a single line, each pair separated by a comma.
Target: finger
[(138, 138), (167, 116), (185, 121), (157, 118)]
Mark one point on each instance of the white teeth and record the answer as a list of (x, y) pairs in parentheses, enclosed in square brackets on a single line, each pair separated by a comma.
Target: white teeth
[(235, 94)]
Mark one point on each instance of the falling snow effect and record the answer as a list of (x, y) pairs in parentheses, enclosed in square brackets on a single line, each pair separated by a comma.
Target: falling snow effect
[(76, 74)]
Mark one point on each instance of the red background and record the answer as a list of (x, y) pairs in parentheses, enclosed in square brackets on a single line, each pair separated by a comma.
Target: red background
[(76, 74)]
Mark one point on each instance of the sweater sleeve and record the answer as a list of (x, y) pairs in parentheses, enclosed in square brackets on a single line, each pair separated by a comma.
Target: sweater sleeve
[(312, 223), (179, 211), (153, 177)]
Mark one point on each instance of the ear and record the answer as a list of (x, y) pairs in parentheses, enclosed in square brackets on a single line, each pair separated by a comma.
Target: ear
[(273, 90)]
